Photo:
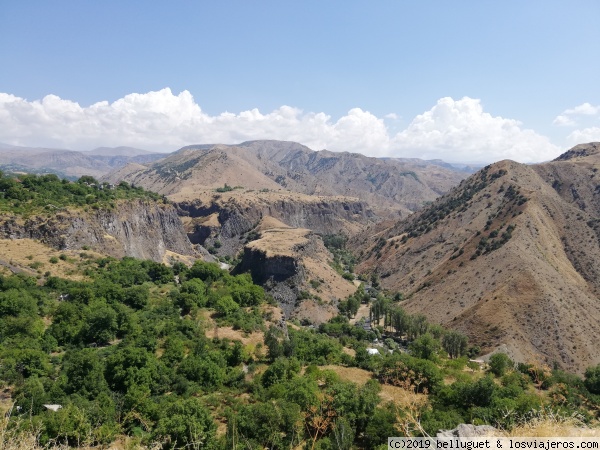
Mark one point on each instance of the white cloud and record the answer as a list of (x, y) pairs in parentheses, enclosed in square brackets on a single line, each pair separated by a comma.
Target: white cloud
[(566, 117), (459, 130), (563, 120), (591, 134), (453, 130), (584, 109)]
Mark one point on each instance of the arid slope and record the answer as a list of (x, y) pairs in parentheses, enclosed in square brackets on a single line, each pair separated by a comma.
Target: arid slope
[(511, 256), (387, 184)]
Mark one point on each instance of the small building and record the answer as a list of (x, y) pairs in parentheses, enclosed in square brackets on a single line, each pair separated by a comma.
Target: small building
[(53, 407)]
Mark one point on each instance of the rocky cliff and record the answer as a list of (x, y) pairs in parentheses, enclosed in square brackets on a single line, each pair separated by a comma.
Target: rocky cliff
[(292, 265), (138, 228), (229, 218)]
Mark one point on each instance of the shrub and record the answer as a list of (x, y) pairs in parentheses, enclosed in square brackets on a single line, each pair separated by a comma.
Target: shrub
[(592, 379), (500, 363)]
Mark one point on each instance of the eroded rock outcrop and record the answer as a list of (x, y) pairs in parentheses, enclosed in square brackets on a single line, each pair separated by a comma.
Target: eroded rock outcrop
[(229, 217), (292, 265), (136, 228)]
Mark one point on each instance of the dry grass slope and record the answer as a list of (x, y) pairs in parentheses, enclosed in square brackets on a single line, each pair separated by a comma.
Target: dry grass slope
[(510, 257)]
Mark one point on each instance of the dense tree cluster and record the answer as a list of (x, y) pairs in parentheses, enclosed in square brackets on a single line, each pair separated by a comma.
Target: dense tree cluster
[(34, 194), (130, 350)]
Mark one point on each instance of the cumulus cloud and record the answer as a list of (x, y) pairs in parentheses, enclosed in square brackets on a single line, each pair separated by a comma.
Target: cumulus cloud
[(455, 130), (584, 109), (459, 130), (591, 134), (566, 118)]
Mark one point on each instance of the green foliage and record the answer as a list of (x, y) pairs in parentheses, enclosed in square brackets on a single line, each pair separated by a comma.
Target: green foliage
[(425, 347), (47, 194), (187, 423), (592, 379), (282, 369), (273, 425), (500, 363), (343, 259), (126, 352), (411, 373), (455, 344), (84, 373), (225, 188)]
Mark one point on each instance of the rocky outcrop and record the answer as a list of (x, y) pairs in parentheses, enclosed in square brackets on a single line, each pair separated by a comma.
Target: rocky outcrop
[(468, 431), (136, 228), (289, 263), (228, 218), (282, 276)]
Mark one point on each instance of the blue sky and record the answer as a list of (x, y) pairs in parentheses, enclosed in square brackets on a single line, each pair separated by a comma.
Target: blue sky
[(468, 80)]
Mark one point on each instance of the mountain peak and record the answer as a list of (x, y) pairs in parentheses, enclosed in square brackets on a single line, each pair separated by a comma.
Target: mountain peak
[(580, 151)]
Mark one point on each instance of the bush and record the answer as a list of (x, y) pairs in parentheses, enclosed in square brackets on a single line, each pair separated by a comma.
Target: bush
[(186, 423), (592, 379), (500, 363)]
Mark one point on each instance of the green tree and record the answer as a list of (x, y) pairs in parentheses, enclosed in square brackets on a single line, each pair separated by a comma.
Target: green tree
[(274, 341), (100, 323), (500, 363), (136, 296), (592, 379), (87, 179), (282, 369), (455, 344), (85, 373), (67, 323), (131, 366), (187, 423), (425, 347), (207, 272), (226, 306)]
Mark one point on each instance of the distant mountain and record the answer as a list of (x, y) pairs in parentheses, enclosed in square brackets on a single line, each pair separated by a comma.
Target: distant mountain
[(64, 162), (71, 163), (387, 184), (8, 148), (510, 257), (120, 151)]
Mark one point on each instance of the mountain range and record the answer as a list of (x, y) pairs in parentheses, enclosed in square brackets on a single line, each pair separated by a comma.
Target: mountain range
[(70, 163), (399, 185)]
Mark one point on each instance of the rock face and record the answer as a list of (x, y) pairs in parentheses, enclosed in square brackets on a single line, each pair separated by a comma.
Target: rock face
[(136, 228), (292, 265), (468, 431), (229, 217)]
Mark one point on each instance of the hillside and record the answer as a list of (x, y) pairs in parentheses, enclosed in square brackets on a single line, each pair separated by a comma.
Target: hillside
[(119, 352), (510, 257), (135, 354), (386, 184)]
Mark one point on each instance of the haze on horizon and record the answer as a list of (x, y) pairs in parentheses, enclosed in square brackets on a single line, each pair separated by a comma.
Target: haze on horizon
[(468, 82)]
